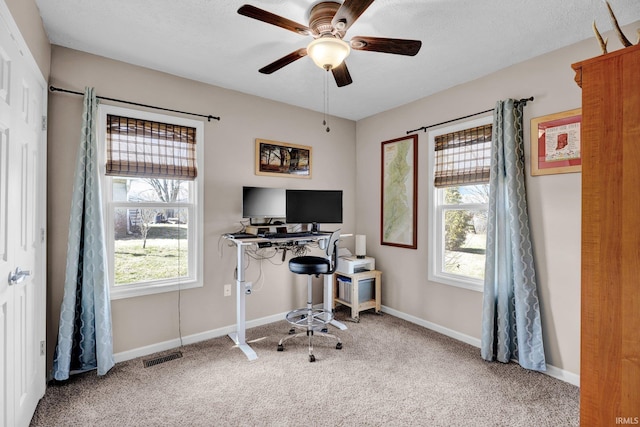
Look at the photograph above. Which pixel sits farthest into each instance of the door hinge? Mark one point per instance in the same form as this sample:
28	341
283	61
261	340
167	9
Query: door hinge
42	235
44	122
43	348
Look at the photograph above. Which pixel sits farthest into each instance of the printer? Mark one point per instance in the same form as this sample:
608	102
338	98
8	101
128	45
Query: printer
350	264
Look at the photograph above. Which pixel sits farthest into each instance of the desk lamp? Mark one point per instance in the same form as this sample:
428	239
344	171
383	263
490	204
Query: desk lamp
361	246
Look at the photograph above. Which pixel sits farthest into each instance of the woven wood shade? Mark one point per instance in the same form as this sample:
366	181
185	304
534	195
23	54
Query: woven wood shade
150	149
463	157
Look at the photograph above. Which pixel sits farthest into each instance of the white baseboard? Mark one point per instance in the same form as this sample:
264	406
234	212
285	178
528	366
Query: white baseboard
562	375
191	339
552	371
433	326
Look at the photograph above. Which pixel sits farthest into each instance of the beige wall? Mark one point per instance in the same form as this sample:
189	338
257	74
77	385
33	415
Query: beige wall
554	203
27	17
229	164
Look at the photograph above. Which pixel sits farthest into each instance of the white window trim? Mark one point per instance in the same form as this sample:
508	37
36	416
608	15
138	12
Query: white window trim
435	274
195	244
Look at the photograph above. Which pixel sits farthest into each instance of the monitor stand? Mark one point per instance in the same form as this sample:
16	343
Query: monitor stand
315	229
259	224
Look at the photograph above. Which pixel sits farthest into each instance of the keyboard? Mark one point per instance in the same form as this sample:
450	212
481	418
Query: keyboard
287	235
241	235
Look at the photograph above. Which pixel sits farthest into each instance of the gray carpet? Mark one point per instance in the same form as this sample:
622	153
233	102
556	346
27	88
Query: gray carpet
389	373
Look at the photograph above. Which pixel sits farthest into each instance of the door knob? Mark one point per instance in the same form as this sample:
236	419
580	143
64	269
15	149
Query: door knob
18	276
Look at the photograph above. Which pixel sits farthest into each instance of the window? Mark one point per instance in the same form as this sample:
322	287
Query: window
460	160
152	199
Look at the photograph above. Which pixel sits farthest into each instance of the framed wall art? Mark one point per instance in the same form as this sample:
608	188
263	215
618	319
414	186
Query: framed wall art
399	192
282	159
555	143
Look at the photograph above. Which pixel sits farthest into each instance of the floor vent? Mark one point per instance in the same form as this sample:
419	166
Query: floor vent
162	359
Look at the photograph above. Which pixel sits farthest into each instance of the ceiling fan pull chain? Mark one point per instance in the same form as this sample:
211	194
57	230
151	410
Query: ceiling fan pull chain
326	100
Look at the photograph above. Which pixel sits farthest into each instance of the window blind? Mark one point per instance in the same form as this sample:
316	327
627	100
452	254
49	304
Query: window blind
463	157
150	149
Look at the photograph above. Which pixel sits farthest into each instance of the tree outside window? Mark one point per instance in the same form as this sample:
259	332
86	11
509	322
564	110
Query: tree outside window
465	225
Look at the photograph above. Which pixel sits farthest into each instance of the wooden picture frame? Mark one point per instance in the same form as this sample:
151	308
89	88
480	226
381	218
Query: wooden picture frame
555	143
399	192
281	159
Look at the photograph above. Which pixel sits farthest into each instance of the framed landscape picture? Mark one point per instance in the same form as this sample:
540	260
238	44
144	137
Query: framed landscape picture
399	191
555	143
281	159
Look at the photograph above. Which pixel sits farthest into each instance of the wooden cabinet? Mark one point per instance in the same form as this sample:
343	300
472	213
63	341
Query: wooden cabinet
610	299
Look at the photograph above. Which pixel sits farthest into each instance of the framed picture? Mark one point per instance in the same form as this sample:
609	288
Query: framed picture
555	143
281	159
399	191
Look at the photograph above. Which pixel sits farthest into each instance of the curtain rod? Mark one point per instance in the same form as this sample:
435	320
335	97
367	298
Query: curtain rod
208	117
523	101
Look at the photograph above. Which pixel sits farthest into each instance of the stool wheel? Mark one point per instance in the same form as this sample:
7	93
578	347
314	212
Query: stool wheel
280	347
312	358
339	346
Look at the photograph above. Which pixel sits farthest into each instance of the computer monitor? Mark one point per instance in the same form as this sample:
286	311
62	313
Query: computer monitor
263	202
314	207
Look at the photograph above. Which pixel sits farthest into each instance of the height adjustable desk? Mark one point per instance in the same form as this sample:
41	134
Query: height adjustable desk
239	336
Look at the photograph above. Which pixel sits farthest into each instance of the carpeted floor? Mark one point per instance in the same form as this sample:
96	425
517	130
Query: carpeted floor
389	373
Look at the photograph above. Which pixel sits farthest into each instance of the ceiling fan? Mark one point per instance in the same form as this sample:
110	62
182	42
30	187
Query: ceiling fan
328	24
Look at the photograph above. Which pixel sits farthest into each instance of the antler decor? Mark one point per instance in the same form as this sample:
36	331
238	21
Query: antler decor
623	39
602	42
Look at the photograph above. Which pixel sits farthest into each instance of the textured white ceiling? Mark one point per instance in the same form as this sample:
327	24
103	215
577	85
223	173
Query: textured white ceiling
208	41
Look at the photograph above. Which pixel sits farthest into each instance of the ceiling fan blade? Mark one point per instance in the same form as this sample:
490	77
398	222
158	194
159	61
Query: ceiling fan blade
386	45
285	60
348	13
273	19
341	75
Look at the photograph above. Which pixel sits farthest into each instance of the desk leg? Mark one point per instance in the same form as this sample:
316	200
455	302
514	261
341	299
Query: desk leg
239	336
328	300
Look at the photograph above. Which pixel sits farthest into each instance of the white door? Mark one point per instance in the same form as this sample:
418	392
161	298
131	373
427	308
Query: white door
22	219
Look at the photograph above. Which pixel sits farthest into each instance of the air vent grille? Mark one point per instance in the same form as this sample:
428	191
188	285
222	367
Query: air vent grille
157	360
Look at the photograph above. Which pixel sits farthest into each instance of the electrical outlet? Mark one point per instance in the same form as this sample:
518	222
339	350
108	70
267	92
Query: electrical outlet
227	290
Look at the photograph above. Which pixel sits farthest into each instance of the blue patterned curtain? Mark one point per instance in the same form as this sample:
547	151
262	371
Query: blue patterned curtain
84	335
511	327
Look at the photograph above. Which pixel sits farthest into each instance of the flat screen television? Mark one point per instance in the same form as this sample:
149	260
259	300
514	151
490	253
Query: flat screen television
263	202
314	207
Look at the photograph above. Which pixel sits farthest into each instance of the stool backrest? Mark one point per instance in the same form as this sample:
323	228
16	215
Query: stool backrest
332	250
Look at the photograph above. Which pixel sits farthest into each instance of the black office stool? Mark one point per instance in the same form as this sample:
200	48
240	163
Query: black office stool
313	321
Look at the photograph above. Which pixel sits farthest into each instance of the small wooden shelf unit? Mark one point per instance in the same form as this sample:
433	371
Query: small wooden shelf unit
356	305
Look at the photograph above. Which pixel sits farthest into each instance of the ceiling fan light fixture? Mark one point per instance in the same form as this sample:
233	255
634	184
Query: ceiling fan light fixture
328	52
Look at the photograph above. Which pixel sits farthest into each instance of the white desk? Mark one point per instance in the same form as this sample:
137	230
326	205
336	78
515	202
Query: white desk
239	337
